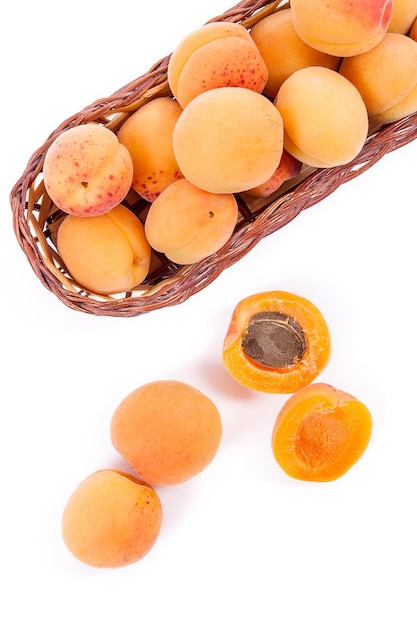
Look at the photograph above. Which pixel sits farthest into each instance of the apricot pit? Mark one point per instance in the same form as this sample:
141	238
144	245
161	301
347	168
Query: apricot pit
273	339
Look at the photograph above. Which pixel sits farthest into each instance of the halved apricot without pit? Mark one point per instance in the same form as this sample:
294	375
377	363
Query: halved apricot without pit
320	433
277	342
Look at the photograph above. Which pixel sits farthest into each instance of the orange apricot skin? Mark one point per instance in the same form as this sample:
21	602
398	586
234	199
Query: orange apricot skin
112	519
188	224
320	433
212	136
87	171
196	39
288	168
280	380
226	62
167	430
147	134
413	30
106	253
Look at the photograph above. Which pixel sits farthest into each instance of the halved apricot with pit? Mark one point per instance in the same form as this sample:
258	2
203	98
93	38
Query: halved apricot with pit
320	433
277	342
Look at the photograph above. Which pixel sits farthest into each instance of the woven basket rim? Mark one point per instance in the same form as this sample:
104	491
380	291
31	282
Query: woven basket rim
33	212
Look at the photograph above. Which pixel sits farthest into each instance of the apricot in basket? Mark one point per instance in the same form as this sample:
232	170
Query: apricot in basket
277	342
147	134
87	171
320	433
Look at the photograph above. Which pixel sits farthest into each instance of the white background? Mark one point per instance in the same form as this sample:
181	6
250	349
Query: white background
241	543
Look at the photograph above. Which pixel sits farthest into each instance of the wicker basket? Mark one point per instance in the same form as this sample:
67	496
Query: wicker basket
36	219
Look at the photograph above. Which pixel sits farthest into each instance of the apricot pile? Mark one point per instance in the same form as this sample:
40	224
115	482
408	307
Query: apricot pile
247	109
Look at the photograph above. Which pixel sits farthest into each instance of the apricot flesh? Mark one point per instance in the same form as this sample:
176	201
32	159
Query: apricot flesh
386	78
167	430
228	140
147	134
87	171
341	28
320	433
276	342
112	519
325	118
188	224
105	254
283	50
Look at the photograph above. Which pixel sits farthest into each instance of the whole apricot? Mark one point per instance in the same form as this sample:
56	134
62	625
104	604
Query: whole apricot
188	224
147	134
167	430
228	140
386	78
112	519
276	342
87	171
320	433
341	28
225	62
288	168
195	40
403	15
283	50
325	118
106	253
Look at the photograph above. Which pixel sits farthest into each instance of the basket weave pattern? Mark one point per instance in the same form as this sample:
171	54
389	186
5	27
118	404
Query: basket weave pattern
36	219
